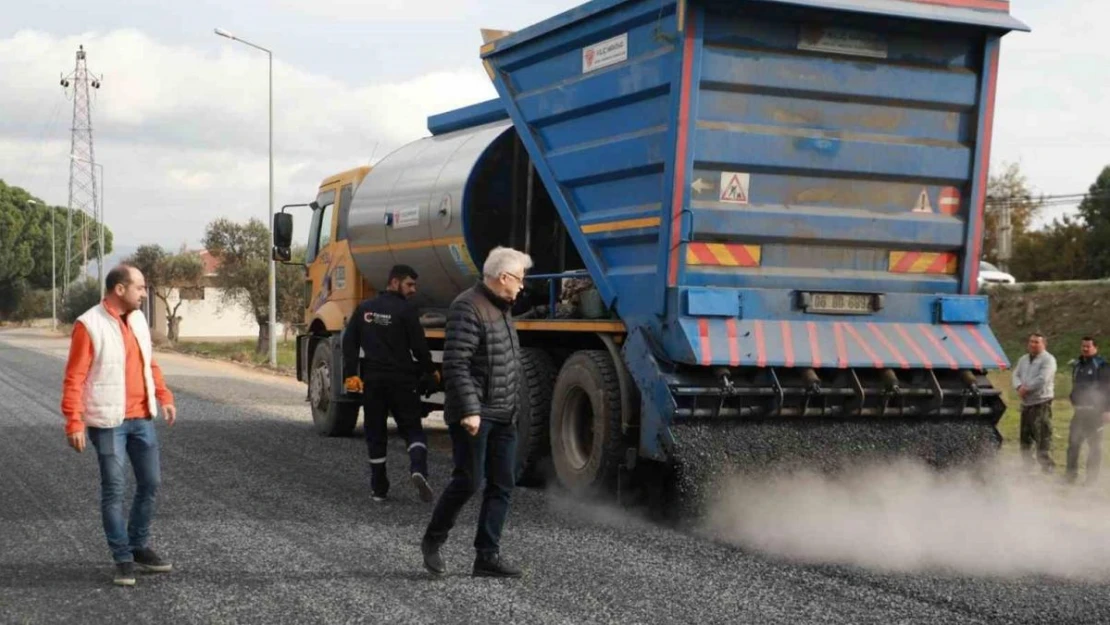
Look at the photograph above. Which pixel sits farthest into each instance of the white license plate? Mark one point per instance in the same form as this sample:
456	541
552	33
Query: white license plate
845	303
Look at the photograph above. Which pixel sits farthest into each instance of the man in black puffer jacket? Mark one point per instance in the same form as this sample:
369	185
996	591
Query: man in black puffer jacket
481	374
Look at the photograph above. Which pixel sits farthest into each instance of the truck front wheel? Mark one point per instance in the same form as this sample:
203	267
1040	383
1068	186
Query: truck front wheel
586	441
331	418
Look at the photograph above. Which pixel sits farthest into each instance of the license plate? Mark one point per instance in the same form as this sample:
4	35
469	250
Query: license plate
841	303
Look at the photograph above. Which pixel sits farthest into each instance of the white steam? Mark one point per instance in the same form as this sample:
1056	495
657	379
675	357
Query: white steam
906	518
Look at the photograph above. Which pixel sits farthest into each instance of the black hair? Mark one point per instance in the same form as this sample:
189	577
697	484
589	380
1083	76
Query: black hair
120	274
1088	338
400	272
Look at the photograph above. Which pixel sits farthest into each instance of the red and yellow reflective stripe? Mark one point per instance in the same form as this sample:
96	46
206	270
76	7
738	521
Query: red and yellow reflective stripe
723	254
942	263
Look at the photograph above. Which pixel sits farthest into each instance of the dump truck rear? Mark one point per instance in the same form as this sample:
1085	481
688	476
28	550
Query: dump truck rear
777	205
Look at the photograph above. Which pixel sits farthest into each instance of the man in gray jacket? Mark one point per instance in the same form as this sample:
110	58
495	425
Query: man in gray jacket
1035	382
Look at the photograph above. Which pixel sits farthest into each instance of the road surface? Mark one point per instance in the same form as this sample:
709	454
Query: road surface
268	523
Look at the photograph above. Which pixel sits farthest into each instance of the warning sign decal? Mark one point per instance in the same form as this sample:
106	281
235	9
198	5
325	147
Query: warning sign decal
734	187
923	205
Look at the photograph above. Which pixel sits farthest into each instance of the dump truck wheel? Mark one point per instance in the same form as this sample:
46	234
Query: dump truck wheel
532	427
331	418
586	445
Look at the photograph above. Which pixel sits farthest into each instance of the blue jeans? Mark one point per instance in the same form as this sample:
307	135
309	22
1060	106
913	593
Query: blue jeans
136	440
490	455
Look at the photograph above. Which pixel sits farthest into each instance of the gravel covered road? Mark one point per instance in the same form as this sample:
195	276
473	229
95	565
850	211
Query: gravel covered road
268	523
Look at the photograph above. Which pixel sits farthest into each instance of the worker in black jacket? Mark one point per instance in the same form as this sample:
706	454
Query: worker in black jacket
396	370
481	375
1089	396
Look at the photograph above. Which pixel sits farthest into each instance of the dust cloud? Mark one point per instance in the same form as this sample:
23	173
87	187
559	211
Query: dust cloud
906	518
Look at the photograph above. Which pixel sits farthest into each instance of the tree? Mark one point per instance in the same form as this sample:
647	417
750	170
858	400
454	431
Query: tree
1008	190
290	292
244	274
1058	252
83	295
165	272
25	242
1095	211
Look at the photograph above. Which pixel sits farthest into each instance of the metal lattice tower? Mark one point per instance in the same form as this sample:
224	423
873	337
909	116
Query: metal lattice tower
84	193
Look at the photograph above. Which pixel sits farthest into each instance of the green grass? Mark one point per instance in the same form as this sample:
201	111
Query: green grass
241	352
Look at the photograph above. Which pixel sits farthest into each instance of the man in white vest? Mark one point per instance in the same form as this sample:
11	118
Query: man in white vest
110	397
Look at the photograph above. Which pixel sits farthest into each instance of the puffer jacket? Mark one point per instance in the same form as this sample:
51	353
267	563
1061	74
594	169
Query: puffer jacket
481	358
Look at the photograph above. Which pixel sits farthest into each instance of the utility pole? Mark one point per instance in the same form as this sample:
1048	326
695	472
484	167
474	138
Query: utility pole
84	193
1005	235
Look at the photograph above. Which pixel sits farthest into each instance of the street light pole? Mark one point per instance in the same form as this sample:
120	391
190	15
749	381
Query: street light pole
270	225
99	225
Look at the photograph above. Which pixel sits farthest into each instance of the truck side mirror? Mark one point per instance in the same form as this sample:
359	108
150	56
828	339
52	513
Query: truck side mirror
283	237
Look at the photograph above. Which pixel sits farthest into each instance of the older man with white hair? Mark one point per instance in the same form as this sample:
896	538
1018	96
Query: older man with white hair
481	374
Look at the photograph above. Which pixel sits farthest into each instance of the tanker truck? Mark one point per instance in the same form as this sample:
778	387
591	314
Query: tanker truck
772	211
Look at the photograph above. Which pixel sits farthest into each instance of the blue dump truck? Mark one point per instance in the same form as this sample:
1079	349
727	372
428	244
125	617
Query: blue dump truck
771	210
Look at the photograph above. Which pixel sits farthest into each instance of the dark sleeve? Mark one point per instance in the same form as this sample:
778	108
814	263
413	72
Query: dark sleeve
352	340
418	343
463	334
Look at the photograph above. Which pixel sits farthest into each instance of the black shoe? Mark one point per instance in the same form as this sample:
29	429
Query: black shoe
432	560
148	561
378	497
493	566
422	487
125	574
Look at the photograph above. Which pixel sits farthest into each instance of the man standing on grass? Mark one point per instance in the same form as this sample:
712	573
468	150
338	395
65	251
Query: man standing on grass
110	397
1090	377
1035	382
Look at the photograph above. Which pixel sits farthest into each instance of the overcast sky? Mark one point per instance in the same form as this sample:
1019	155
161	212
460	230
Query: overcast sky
180	120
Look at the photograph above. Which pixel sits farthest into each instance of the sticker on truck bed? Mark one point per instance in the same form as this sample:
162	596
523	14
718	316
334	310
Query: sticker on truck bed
734	187
842	41
604	54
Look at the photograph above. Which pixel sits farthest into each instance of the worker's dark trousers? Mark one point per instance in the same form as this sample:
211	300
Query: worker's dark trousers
1086	427
491	455
380	398
1036	428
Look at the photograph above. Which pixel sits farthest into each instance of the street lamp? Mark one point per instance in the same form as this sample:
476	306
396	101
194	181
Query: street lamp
53	271
273	267
99	224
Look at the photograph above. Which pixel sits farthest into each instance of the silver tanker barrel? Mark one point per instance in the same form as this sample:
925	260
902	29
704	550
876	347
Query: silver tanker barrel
438	204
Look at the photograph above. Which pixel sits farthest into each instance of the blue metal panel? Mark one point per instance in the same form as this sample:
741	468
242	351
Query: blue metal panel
467	117
850	152
917	9
963	310
904	231
843	77
712	303
830	154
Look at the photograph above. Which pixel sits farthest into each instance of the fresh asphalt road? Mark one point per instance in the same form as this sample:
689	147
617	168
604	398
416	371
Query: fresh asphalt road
268	523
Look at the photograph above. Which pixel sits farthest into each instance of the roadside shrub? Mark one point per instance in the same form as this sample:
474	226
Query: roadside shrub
82	296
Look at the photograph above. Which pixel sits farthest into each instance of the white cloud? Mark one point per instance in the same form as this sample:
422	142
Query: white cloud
182	133
385	10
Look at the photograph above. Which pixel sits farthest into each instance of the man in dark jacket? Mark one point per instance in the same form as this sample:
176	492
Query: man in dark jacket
1090	378
481	374
388	331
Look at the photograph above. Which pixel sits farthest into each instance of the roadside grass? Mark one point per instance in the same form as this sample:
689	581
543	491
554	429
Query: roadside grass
242	352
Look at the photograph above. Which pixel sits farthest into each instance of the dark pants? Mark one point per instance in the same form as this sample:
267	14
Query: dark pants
1036	427
380	398
135	441
490	455
1086	426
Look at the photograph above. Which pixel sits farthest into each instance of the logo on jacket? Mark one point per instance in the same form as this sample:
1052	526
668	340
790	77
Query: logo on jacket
377	319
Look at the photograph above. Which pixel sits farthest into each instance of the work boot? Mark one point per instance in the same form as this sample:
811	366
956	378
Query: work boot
432	560
379	483
422	487
148	561
492	566
125	574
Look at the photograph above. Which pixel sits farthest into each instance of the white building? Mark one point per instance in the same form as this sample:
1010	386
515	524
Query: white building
204	314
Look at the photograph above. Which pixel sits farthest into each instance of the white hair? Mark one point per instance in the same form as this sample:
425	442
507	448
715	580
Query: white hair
506	260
